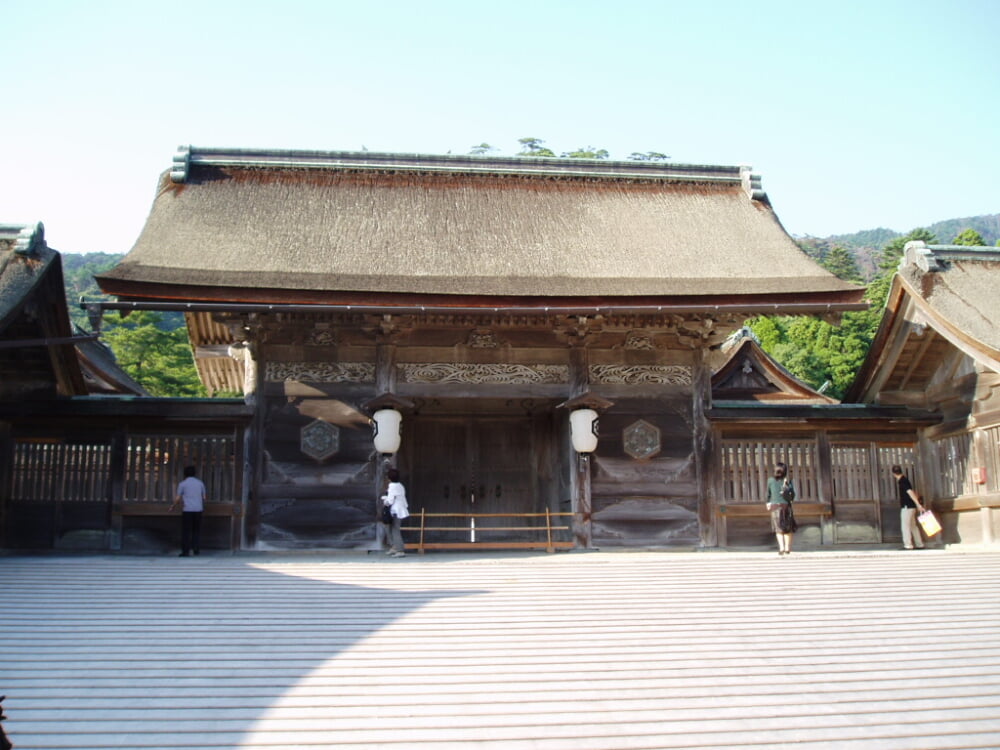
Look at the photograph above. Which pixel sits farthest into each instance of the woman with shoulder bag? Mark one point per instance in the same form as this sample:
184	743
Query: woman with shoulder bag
780	494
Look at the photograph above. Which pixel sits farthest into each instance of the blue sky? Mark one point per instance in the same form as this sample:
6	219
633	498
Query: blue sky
855	114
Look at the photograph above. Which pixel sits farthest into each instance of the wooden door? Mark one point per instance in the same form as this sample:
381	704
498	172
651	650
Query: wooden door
472	465
866	505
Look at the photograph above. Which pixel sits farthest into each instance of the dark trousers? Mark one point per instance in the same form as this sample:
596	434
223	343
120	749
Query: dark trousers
191	532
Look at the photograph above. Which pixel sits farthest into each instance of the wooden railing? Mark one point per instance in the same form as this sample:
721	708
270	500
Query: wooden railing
471	526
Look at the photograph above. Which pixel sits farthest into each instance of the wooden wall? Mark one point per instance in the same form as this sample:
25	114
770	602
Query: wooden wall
647	502
962	454
107	483
473	376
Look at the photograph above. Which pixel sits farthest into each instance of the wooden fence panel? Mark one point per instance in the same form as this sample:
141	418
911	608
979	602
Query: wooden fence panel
747	464
156	463
60	472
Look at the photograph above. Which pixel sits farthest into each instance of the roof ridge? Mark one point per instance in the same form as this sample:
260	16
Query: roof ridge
26	237
188	155
929	257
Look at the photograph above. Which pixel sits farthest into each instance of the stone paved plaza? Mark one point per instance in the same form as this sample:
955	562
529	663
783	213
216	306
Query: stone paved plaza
585	650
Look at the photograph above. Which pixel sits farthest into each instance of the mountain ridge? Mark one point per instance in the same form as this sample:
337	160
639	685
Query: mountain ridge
866	245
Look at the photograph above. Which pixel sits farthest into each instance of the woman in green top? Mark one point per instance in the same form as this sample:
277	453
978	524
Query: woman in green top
775	500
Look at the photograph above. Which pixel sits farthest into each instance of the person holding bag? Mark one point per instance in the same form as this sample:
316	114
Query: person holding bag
909	504
780	494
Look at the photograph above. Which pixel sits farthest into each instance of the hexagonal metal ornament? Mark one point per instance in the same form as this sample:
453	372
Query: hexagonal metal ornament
641	439
319	439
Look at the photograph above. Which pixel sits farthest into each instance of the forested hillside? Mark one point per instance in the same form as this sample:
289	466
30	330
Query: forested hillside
79	270
867	244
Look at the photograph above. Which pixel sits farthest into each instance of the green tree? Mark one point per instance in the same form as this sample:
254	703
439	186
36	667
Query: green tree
841	263
482	149
153	354
816	351
587	153
533	147
647	156
79	270
969	237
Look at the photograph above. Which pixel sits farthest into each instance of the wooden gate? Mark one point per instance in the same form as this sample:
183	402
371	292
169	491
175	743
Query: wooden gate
866	507
468	465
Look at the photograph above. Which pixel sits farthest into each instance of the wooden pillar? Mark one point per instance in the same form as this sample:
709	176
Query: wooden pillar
116	499
253	437
580	478
237	528
824	482
385	382
701	395
583	525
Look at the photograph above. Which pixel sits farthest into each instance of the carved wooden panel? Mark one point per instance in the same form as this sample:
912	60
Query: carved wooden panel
492	374
641	439
640	374
320	372
319	439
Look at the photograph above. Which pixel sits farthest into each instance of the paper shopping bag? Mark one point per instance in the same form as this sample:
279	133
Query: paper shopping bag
929	523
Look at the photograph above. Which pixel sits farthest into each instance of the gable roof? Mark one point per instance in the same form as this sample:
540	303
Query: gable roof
943	297
297	227
750	374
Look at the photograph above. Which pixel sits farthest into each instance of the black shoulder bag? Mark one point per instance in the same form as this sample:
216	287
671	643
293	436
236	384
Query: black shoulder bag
786	519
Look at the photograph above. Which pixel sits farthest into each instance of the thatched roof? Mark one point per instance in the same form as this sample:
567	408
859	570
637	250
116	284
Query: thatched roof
25	262
960	284
942	298
307	227
37	358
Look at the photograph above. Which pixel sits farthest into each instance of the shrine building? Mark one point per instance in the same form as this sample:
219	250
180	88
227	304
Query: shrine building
478	301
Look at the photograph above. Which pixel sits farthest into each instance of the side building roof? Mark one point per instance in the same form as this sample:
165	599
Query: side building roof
297	227
37	355
41	353
942	298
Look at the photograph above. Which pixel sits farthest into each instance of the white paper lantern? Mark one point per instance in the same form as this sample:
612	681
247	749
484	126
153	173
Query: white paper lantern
386	425
583	429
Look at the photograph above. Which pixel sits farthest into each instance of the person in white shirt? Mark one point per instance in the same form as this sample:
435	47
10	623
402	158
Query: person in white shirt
395	499
191	494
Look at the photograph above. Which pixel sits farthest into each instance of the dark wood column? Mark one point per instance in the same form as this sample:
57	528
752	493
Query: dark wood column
579	376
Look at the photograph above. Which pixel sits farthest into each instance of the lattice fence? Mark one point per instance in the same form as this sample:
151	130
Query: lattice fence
747	464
